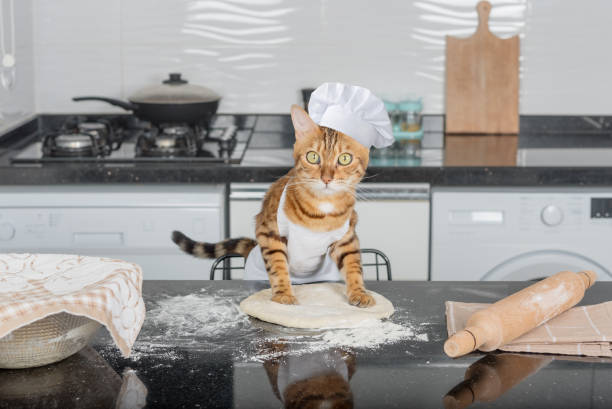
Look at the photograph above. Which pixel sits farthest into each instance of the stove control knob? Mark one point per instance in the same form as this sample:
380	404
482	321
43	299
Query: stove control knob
7	231
551	215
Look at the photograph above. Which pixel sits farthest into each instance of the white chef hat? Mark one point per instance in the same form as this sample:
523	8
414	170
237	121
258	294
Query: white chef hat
352	110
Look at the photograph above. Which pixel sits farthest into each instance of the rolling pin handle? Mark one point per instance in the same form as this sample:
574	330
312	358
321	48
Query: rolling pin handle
464	342
589	276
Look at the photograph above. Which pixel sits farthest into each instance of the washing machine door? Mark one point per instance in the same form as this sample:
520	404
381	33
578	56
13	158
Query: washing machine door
543	263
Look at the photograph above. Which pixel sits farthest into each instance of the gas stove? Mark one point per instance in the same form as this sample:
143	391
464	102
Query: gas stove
126	139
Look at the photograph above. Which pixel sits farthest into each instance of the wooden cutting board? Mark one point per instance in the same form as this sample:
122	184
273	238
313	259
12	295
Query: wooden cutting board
482	80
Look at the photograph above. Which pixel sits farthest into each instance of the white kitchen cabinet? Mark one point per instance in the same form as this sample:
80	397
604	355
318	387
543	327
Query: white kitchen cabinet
393	218
245	203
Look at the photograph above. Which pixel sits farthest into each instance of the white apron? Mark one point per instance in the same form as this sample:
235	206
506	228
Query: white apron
309	259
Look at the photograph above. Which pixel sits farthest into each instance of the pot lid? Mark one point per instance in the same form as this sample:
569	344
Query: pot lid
174	90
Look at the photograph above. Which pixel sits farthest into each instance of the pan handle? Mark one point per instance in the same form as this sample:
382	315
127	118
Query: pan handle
125	105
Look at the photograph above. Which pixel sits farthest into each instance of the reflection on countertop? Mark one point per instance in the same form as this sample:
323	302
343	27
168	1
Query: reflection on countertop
250	365
490	377
83	380
480	150
318	379
543	141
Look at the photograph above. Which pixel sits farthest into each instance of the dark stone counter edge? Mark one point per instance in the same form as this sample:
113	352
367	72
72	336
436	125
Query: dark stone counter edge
435	176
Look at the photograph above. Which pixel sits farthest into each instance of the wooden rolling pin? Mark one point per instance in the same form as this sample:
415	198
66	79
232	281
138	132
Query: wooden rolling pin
490	377
513	316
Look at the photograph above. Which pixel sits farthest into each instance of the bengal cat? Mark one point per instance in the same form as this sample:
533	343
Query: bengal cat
320	195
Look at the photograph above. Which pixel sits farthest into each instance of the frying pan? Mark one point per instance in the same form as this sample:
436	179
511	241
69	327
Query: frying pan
174	101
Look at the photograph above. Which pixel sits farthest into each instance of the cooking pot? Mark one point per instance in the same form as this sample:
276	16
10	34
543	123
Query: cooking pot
173	101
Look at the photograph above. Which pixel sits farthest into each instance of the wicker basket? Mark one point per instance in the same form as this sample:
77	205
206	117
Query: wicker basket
47	340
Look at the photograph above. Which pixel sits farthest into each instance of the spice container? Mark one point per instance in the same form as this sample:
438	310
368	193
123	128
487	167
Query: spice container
406	124
411	115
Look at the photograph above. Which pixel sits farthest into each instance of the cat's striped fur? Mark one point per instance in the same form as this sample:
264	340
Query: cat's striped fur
241	245
319	196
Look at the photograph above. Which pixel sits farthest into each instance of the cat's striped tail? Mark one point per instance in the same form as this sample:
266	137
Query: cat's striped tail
241	245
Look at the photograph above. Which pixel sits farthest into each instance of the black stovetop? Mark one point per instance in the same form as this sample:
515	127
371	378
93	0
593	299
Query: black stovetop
135	141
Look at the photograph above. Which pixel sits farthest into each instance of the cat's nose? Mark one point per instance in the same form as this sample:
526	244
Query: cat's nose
326	179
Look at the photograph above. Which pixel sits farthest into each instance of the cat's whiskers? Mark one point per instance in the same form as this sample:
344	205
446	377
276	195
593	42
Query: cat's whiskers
370	176
309	183
361	193
325	193
347	185
362	198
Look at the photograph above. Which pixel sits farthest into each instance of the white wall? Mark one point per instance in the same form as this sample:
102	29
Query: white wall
16	83
258	53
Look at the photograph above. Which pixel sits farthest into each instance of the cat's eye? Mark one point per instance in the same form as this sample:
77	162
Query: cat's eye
345	158
312	157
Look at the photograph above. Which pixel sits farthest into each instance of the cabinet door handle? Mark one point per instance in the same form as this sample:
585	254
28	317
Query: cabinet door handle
251	195
390	194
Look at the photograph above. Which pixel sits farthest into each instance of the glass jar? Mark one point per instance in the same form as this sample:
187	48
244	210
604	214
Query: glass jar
409	144
411	115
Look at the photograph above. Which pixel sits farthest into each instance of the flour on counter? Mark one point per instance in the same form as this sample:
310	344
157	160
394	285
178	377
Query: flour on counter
142	350
383	332
196	315
214	322
373	336
145	349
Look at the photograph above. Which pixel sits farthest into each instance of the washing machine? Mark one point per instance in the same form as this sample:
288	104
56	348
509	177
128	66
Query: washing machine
502	234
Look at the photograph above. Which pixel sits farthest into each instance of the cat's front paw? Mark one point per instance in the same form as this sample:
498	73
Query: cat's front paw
361	299
283	298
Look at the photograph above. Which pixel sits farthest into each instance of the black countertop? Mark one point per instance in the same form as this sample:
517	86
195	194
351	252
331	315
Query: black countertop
269	156
224	360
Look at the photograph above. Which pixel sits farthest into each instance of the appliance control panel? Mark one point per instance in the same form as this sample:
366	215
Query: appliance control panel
601	208
543	212
104	228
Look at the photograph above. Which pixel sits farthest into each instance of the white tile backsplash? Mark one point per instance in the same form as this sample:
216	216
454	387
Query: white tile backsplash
94	23
568	63
63	71
258	53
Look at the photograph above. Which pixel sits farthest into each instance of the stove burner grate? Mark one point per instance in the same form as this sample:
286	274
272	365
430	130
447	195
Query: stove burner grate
167	141
74	145
126	139
81	139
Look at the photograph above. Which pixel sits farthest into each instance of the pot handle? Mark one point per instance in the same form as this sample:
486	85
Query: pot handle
125	105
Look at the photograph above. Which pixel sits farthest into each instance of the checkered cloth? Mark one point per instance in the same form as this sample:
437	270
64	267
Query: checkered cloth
33	286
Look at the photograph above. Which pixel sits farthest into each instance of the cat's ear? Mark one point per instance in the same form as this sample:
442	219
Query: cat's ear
302	123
